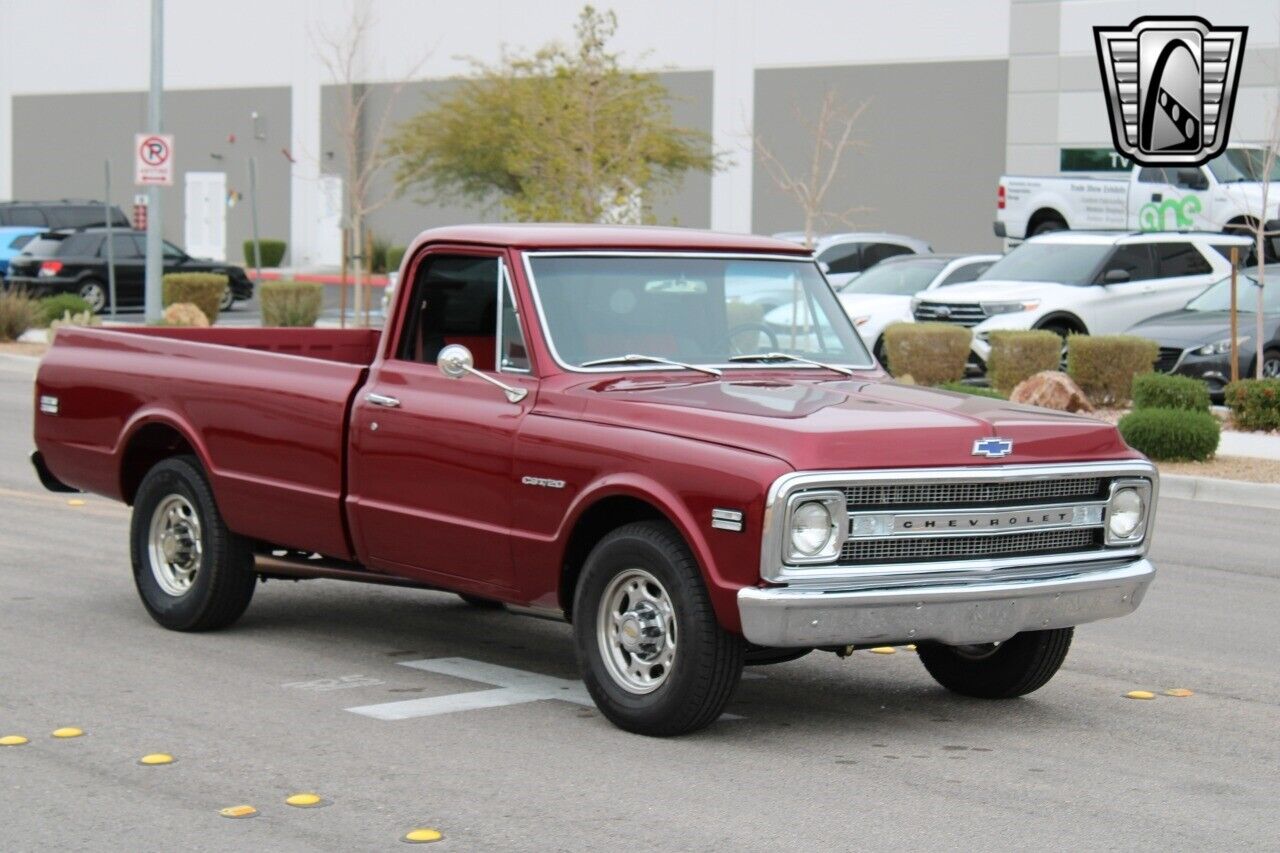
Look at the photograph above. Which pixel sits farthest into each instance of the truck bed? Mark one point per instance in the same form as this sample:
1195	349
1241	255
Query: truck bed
265	410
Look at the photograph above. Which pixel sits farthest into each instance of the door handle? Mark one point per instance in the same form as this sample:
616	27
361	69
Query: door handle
383	400
1157	196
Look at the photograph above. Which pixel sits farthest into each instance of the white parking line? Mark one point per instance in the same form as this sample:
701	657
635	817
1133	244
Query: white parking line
510	687
514	687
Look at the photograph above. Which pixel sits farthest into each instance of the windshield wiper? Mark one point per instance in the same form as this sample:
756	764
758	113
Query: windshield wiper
633	358
782	356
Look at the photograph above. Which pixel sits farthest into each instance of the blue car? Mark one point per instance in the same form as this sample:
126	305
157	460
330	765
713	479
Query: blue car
12	239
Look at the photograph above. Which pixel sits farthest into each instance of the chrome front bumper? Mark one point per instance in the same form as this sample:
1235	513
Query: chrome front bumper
956	614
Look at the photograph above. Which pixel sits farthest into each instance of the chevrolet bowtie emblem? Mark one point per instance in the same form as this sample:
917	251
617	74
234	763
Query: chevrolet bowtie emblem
992	448
1170	84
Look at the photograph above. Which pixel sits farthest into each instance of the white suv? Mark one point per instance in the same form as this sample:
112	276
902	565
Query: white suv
1088	283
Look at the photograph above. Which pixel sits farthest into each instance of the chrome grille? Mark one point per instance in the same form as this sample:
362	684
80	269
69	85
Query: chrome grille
1168	359
1008	493
917	549
965	314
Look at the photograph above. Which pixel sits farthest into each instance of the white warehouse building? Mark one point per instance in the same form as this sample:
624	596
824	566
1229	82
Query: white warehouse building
957	93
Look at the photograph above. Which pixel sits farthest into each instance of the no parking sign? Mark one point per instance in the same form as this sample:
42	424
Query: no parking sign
153	159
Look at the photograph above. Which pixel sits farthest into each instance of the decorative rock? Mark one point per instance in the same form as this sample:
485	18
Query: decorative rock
1051	390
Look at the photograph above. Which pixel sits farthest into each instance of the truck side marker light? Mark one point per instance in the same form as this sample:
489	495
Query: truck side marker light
306	801
1180	692
68	732
155	759
910	648
1139	694
237	812
75	502
12	740
422	835
884	650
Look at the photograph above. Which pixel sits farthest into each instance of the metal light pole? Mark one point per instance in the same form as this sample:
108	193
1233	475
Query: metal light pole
111	239
253	210
155	259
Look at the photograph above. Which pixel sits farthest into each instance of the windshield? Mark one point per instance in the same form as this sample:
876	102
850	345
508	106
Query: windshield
1064	263
1242	164
697	310
900	279
1218	297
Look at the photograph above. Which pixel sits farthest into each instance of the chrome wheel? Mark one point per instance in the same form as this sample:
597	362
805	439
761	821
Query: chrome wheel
174	544
976	651
228	299
1271	365
636	629
94	293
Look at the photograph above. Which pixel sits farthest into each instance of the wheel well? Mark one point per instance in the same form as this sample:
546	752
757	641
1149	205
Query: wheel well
1041	216
151	444
1069	320
600	518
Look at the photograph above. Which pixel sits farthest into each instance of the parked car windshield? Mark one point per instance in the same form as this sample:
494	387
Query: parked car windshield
697	310
902	278
1218	297
1064	263
1236	165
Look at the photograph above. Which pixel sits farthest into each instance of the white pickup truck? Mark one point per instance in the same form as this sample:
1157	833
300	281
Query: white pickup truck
1224	194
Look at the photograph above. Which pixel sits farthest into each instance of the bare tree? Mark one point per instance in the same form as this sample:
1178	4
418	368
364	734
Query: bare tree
833	136
363	132
1258	227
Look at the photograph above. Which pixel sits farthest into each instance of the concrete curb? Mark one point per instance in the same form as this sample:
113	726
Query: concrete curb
1220	491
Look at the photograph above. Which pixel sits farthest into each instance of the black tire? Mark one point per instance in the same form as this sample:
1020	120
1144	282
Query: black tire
224	577
1064	331
1048	226
480	603
1016	667
228	300
762	656
1270	364
701	678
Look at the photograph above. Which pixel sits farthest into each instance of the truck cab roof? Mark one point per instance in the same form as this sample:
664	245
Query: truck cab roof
535	236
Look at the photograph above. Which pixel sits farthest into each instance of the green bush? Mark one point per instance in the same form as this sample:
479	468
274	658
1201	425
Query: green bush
202	289
291	303
55	307
1165	391
1171	435
1255	403
975	390
395	254
930	353
1104	365
18	312
1018	355
272	252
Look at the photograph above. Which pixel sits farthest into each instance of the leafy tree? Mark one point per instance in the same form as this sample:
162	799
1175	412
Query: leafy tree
564	134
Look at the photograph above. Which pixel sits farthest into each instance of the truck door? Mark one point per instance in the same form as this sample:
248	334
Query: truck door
430	477
1171	199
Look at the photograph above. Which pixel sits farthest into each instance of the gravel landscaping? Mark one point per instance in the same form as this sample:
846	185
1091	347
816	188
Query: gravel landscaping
1242	468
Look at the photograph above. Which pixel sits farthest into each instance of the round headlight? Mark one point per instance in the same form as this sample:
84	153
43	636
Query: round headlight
1125	513
811	528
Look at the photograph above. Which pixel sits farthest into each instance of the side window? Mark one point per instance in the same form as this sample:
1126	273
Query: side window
1175	259
1133	258
124	246
843	258
454	301
874	253
513	354
966	272
1244	254
80	246
26	216
1151	175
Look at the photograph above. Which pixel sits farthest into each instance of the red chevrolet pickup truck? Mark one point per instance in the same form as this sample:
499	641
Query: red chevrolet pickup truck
598	423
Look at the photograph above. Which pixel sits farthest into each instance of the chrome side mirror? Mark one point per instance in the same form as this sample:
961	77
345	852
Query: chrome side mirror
455	361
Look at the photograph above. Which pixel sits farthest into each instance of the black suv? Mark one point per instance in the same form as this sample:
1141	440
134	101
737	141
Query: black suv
64	213
76	262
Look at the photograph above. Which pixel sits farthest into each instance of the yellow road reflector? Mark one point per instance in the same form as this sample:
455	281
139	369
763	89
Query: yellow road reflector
68	731
1139	694
12	740
1180	692
884	650
423	835
910	648
238	811
156	758
304	801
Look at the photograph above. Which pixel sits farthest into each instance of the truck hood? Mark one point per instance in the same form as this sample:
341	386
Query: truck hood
994	291
815	424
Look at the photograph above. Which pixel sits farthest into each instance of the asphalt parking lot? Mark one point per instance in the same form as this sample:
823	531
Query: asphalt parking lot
865	753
